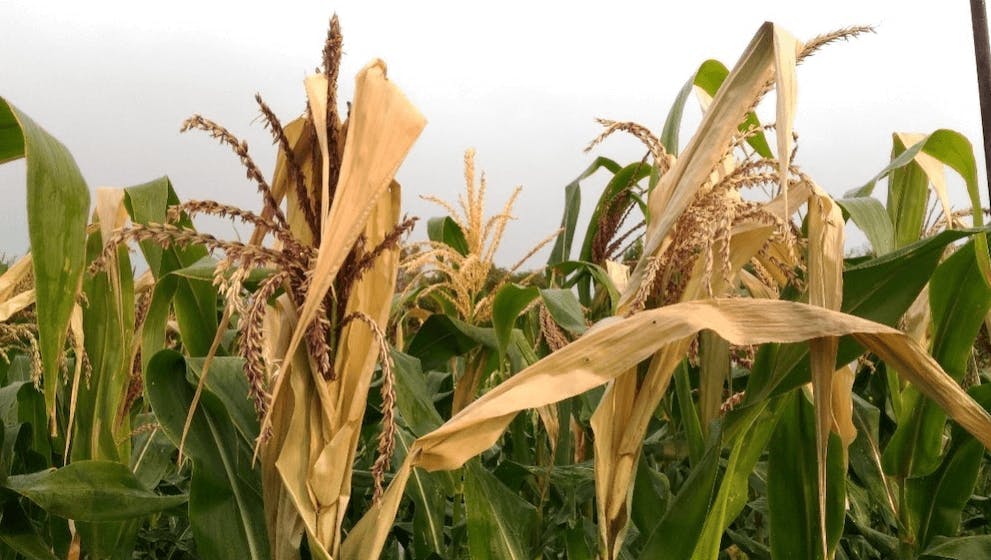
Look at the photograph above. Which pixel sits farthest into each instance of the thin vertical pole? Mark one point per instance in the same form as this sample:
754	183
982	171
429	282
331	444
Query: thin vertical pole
982	56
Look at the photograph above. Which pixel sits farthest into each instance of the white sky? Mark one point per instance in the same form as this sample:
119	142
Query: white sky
519	81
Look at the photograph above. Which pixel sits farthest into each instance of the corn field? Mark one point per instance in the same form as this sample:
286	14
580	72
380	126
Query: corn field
699	371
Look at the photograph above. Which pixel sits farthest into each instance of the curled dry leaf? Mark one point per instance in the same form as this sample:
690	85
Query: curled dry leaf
695	187
607	353
13	277
314	422
382	129
825	290
15	304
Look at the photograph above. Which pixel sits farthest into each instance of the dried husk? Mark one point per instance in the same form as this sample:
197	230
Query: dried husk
313	423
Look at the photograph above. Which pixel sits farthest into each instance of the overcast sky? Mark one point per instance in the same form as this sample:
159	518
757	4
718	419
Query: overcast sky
519	81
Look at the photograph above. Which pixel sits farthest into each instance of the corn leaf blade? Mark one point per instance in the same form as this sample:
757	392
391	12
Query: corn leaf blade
793	488
686	515
507	305
935	503
94	491
870	216
195	301
225	501
498	520
960	300
58	207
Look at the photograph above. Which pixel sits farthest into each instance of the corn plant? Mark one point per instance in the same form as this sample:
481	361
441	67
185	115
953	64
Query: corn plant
702	244
282	397
317	313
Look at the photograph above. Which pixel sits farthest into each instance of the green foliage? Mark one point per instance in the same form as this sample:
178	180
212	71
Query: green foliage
792	491
58	207
94	491
225	497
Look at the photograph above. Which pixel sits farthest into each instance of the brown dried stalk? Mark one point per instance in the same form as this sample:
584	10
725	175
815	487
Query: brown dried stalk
555	337
135	384
296	176
240	148
252	337
655	147
613	250
819	41
813	46
167	235
390	241
332	50
14	337
212	208
387	438
316	342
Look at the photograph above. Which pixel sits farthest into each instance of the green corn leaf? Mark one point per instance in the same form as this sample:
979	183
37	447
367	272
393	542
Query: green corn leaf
102	428
156	319
151	453
507	305
428	492
747	446
225	497
676	534
499	521
709	77
565	309
959	299
935	503
864	457
596	272
195	301
445	230
651	494
227	382
108	328
954	150
58	208
18	533
23	409
416	407
792	489
579	541
689	413
94	491
561	251
11	138
959	548
441	338
880	289
908	197
624	179
204	269
869	215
